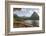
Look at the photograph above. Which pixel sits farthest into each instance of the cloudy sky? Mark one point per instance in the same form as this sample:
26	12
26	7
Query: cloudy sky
27	12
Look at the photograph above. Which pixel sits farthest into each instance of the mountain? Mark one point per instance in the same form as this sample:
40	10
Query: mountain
16	17
33	17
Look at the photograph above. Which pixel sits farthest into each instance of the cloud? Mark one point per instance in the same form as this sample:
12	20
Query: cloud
27	12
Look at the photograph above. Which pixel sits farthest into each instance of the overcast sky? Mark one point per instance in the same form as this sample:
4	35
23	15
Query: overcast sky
27	12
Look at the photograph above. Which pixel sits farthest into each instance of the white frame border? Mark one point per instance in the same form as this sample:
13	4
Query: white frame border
24	29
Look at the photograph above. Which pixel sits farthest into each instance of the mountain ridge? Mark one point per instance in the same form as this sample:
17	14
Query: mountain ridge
34	16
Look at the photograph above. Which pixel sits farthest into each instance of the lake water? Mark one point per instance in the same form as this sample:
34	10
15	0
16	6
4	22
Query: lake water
30	22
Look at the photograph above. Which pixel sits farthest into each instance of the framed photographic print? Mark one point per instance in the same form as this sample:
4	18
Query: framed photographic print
25	17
